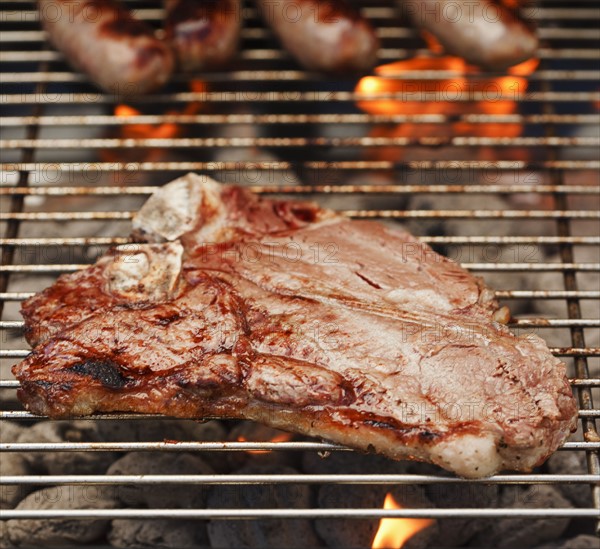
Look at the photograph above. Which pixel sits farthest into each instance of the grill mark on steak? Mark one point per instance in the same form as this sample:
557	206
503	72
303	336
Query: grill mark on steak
306	345
367	280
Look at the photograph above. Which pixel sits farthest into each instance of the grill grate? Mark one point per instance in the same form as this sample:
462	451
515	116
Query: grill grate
57	129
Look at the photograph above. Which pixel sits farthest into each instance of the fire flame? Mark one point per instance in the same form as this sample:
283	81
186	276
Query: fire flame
394	532
139	131
280	437
441	93
458	98
159	131
164	130
451	94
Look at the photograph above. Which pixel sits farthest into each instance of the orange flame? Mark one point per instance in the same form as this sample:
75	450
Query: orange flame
525	68
280	437
452	93
138	131
394	532
450	98
164	130
433	44
438	92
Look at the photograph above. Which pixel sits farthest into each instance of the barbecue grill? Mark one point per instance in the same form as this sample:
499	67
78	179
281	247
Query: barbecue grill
73	166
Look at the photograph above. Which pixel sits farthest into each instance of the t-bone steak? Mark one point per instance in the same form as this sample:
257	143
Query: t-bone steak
231	305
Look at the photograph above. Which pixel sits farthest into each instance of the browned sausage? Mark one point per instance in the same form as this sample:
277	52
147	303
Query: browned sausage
204	33
482	32
326	36
101	38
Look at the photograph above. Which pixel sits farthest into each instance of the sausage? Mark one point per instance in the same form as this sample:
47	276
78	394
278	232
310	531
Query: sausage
482	32
325	36
203	33
101	38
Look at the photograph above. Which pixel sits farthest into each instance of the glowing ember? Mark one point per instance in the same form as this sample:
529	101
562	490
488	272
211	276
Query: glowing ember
394	532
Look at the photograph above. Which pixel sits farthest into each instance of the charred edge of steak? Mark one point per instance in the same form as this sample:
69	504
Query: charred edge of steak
106	372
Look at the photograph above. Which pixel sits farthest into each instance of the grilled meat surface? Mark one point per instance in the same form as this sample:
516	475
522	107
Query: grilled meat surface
235	306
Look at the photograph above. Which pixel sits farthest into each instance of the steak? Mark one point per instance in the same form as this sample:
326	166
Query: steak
235	306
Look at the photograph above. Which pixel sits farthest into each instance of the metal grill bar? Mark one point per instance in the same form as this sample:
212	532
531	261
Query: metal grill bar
503	294
575	382
480	267
484	240
17	202
287	479
384	55
241	514
299	76
290	189
586	382
92	241
384	13
94	98
232	119
520	323
18	414
249	446
363	214
283	142
557	351
584	394
382	33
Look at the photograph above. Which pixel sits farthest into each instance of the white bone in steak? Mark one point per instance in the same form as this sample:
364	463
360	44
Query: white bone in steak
236	306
